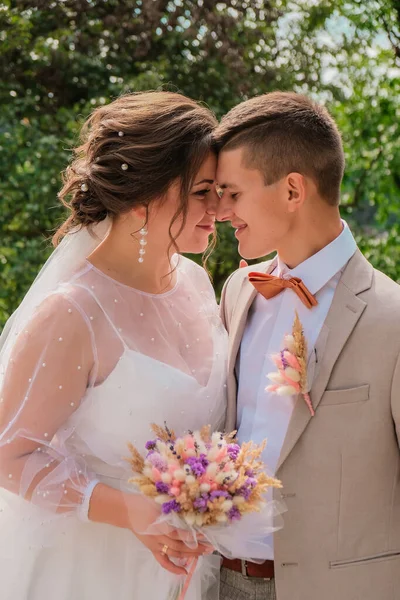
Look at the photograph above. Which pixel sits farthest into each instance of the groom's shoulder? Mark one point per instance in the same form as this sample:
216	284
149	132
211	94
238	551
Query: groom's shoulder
234	285
385	283
386	290
382	314
234	282
380	292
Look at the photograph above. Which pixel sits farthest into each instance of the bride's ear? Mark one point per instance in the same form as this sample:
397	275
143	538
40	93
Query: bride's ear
139	213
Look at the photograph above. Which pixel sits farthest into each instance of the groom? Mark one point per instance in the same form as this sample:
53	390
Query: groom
280	169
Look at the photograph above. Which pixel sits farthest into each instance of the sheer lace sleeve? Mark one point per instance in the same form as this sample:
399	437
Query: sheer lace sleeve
46	376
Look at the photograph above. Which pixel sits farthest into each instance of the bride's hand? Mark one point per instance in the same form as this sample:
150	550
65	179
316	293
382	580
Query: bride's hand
174	549
137	513
165	543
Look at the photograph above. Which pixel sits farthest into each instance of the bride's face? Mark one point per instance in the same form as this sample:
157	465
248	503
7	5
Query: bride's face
202	207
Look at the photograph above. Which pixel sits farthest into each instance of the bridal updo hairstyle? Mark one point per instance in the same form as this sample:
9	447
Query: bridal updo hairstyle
132	150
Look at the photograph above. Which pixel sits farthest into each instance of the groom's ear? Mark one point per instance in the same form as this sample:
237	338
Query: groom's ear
296	191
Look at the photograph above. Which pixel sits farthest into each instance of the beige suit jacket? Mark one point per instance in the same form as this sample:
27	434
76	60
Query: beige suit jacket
341	468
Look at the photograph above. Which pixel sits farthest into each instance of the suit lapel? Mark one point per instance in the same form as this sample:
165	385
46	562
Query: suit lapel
237	325
344	313
239	317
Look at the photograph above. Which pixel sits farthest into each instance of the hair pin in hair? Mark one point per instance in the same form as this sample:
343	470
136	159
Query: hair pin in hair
124	167
84	187
121	133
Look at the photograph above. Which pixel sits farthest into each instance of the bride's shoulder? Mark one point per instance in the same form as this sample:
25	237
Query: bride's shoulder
196	273
55	324
70	302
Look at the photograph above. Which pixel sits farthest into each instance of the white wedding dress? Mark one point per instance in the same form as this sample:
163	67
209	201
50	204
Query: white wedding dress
156	358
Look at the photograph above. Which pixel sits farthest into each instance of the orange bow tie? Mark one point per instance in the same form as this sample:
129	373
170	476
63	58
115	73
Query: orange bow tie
270	286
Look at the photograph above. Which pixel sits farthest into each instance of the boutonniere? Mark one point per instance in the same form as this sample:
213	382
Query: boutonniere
291	377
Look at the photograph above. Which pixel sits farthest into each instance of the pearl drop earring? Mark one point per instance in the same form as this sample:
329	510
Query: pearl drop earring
143	243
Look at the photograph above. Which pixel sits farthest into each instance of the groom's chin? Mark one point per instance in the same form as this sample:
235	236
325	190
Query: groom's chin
250	253
251	249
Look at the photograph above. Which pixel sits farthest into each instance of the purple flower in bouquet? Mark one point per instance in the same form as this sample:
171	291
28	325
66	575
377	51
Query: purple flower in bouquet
219	494
198	464
247	488
234	514
157	461
251	482
233	451
162	488
204	460
200	503
244	491
151	445
171	506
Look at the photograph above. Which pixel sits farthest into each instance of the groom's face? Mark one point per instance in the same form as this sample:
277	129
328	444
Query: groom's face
258	212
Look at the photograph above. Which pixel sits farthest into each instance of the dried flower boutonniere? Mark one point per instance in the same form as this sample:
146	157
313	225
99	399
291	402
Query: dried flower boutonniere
291	377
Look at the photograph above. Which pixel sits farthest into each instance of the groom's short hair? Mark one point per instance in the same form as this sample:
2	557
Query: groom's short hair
285	132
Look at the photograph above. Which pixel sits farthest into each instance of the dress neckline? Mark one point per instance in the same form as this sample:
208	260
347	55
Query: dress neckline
132	289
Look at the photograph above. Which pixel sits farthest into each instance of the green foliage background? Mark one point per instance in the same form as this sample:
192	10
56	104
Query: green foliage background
60	59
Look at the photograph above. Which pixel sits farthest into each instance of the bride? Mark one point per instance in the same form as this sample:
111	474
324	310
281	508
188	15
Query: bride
118	331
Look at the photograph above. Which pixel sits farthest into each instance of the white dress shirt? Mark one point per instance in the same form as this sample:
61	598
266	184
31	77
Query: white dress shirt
263	414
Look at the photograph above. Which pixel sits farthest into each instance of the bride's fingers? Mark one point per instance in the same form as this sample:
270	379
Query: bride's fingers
182	554
187	537
202	539
177	546
164	561
180	535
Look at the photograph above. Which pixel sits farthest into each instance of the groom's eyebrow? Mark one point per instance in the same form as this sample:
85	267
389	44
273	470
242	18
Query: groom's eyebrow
210	181
224	186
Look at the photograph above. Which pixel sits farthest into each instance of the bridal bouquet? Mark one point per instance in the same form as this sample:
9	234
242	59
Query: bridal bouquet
206	483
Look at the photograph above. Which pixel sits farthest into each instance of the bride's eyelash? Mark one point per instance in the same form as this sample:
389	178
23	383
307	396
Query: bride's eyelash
202	192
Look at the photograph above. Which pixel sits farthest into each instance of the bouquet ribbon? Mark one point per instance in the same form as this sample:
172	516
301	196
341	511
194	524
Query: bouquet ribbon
193	565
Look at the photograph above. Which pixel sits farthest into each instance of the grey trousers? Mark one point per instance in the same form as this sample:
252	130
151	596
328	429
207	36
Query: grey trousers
233	586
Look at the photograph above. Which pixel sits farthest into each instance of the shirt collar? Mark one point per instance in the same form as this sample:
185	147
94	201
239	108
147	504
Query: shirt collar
317	270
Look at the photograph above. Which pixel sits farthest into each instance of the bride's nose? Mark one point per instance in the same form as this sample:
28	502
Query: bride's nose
212	202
